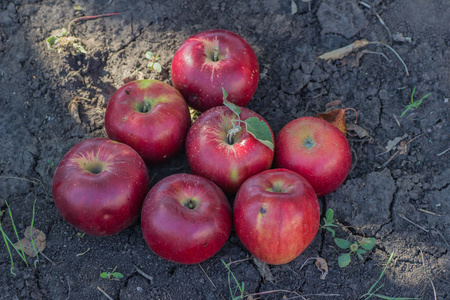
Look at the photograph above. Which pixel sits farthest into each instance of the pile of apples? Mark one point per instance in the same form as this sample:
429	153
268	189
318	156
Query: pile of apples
101	186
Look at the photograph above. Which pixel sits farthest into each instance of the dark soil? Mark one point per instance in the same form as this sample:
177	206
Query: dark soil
400	196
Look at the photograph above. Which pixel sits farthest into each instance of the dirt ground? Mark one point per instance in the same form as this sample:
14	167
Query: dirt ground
397	191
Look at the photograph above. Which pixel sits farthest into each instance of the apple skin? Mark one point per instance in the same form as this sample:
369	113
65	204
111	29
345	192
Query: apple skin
200	79
315	149
181	234
276	215
211	156
157	134
99	186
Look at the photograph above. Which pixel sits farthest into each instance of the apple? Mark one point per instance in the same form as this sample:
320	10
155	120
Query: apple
226	160
315	149
186	219
211	60
99	186
276	215
151	117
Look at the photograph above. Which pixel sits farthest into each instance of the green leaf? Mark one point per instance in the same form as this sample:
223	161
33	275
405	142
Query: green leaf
368	243
150	65
63	32
341	243
157	67
233	107
344	260
225	94
329	214
51	41
117	275
79	48
359	252
148	55
260	131
104	275
333	233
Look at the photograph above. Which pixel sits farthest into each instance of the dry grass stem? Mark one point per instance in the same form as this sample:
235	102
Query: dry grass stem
426	273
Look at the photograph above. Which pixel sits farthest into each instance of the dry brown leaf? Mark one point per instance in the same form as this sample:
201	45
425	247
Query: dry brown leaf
335	117
360	132
334	103
263	269
322	265
39	238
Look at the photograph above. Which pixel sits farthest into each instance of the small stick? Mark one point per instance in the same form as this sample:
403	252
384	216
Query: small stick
429	212
88	18
379	19
443	152
395	52
405	218
442	236
104	293
210	279
425	270
145	275
68	283
238	261
35	181
46	257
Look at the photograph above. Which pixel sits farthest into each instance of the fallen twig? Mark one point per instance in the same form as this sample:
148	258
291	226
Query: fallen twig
418	226
346	50
426	273
71	23
104	293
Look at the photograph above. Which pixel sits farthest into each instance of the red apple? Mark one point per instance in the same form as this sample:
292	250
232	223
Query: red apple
226	162
211	60
315	149
276	215
186	219
99	186
151	117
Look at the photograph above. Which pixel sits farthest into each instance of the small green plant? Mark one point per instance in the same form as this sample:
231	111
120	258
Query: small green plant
8	241
52	164
257	128
112	275
358	248
153	64
413	104
239	287
61	40
329	222
373	289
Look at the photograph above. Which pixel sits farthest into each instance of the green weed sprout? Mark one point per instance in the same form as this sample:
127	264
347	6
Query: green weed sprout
8	241
372	289
239	288
112	275
62	41
413	104
358	248
153	64
329	222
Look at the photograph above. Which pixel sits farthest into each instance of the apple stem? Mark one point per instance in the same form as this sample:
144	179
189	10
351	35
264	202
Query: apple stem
233	131
216	54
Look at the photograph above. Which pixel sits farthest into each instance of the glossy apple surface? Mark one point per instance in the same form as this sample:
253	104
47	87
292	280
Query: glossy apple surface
186	219
99	186
276	215
151	117
211	155
316	150
200	76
